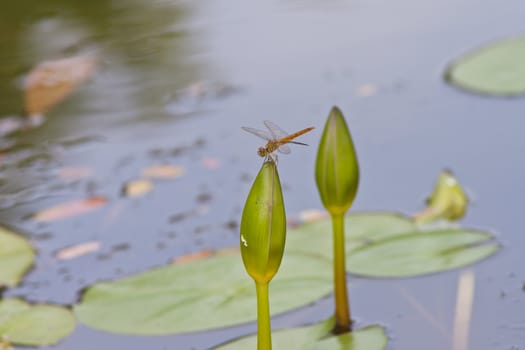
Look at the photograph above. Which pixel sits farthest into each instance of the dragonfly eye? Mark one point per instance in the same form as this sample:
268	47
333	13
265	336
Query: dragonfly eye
261	152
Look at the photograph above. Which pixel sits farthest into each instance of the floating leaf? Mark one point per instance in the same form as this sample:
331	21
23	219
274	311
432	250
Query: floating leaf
367	90
199	295
138	188
317	337
313	215
77	250
75	173
203	254
421	253
497	69
69	209
34	325
361	229
5	344
211	163
51	82
386	245
16	257
215	292
163	171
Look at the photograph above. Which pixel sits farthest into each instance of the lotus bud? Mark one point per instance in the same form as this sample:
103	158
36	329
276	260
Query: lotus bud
263	225
448	200
336	168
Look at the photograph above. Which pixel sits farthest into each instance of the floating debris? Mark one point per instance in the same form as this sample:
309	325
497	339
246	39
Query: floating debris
78	250
164	171
137	188
50	82
70	209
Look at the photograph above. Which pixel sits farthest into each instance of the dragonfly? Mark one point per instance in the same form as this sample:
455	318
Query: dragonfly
277	139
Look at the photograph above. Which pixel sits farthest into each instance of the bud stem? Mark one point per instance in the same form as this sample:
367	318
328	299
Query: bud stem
264	335
343	322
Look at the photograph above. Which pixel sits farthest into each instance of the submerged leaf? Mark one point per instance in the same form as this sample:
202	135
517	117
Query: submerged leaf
137	188
16	257
69	209
497	69
75	173
317	337
211	163
51	82
34	325
5	344
77	250
163	171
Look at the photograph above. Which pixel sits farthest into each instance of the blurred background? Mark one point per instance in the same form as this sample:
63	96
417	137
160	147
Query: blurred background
94	92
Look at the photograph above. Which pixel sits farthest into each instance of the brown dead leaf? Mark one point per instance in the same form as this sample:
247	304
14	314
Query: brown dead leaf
367	90
164	171
4	343
50	82
228	251
312	215
203	254
211	163
77	250
75	173
137	188
69	209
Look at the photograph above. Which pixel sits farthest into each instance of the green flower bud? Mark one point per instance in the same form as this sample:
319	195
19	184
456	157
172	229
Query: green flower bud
336	168
263	225
448	200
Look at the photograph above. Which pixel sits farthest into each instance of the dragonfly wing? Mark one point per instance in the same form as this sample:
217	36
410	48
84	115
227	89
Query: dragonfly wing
262	134
284	149
276	131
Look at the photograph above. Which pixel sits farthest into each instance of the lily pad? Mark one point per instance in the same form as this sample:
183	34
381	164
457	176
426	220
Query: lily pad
387	245
196	295
315	338
34	325
497	69
360	229
199	295
16	257
421	253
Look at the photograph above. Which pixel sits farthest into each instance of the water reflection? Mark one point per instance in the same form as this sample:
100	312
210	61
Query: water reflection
147	54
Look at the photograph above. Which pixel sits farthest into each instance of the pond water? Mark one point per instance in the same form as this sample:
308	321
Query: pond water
176	81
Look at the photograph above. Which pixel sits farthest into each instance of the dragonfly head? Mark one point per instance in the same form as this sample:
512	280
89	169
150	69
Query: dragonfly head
262	152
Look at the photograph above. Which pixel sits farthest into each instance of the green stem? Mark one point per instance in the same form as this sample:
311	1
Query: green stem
343	322
264	330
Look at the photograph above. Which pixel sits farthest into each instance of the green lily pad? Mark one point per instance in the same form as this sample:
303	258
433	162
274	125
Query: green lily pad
315	338
497	69
315	238
217	292
199	295
34	325
421	253
386	245
16	257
